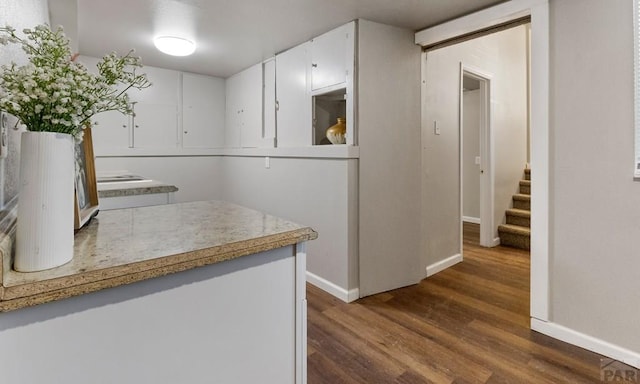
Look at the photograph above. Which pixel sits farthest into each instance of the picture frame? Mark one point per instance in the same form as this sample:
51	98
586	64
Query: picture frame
86	187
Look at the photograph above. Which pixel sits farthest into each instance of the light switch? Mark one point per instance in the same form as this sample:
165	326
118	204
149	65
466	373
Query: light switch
477	160
267	162
436	127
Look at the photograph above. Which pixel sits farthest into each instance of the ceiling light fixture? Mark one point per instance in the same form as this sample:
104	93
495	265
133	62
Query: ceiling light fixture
175	46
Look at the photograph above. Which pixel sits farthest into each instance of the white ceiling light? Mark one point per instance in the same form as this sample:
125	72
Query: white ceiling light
175	46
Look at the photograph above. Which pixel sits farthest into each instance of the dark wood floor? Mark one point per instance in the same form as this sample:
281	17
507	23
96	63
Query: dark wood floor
467	324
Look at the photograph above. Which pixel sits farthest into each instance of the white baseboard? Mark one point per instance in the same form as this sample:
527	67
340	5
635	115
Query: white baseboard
443	264
587	342
469	219
496	242
334	290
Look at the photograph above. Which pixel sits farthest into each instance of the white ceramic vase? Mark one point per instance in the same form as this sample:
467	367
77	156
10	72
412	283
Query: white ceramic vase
44	237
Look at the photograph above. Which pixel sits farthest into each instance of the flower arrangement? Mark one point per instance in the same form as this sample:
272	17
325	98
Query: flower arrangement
53	92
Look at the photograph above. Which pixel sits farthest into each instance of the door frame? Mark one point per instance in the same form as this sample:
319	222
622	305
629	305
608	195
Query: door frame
538	11
487	179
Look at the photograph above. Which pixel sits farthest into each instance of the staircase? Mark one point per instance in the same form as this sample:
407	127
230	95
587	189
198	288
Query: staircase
517	231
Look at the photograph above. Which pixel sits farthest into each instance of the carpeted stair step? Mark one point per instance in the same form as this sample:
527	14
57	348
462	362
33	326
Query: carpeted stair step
519	217
527	173
525	187
515	236
521	201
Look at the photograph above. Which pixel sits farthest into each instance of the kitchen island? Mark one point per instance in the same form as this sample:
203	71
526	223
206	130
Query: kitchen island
218	297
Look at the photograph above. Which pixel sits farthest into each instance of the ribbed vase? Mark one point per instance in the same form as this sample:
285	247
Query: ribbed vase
44	237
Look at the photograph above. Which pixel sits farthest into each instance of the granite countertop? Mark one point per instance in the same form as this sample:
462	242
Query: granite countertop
133	188
128	245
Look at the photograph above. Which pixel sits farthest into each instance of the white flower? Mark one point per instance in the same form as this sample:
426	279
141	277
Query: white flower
52	83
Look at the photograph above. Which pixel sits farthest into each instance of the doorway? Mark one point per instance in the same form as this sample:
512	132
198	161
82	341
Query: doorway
476	171
537	12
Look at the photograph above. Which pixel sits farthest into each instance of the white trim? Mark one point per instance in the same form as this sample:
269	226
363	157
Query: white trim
487	178
472	220
315	151
495	242
539	12
636	73
333	289
443	264
301	313
540	161
587	342
499	14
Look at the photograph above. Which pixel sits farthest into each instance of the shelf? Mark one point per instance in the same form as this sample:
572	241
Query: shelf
342	151
332	89
326	108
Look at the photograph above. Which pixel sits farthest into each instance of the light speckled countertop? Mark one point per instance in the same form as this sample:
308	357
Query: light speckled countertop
127	245
133	188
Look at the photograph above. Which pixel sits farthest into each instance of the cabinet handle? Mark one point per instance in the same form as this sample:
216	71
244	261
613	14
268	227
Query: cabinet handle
185	132
137	126
314	65
124	125
277	105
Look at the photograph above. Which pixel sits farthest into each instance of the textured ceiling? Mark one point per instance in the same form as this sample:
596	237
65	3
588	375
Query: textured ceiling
235	34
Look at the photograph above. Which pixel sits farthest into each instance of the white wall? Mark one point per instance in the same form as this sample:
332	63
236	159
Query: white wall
197	177
320	193
471	149
19	14
595	211
503	56
388	118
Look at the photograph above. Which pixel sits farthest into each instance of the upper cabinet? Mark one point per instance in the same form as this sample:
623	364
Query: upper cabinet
269	104
293	114
244	108
332	57
111	130
179	110
155	120
203	111
295	97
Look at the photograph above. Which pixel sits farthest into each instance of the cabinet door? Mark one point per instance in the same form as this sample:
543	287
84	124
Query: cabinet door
269	102
203	110
251	101
110	130
293	115
329	58
155	125
232	112
155	122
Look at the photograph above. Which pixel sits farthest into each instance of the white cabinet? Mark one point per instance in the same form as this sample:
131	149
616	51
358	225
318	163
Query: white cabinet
155	121
155	125
111	130
293	114
203	111
232	112
244	108
269	102
178	110
331	54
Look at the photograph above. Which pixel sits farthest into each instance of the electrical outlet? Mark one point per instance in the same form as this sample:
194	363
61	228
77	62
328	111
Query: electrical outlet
267	162
436	128
3	134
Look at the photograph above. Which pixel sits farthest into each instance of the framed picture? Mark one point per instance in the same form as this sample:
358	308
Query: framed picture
86	206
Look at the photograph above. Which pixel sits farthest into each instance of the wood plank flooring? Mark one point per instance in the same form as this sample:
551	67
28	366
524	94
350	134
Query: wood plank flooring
468	324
